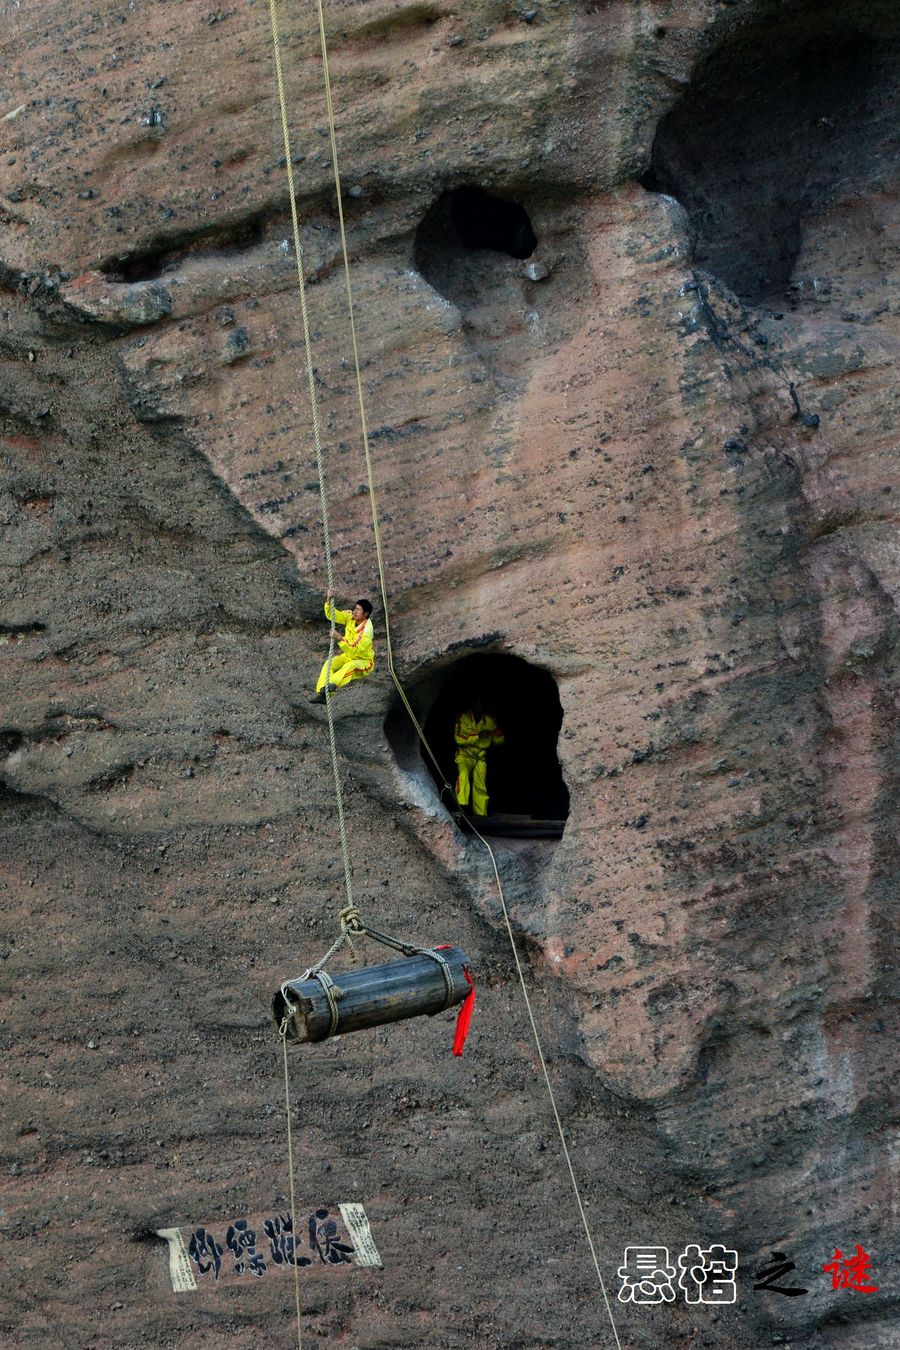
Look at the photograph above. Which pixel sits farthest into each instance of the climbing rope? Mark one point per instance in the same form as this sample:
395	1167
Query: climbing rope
376	528
323	500
360	398
382	575
576	1189
295	1239
317	441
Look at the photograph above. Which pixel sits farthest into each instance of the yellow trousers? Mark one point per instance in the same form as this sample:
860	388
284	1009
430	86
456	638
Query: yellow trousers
471	778
343	670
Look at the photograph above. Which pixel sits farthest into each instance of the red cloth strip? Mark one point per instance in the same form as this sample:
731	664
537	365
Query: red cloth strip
464	1020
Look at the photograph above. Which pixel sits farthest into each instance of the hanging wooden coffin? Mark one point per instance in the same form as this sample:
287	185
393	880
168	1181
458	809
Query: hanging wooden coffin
413	986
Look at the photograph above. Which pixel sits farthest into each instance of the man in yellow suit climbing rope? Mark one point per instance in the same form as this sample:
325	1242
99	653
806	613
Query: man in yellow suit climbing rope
356	657
475	732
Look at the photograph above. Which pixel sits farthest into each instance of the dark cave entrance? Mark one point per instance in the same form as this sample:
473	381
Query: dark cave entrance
527	794
470	247
465	221
795	110
483	221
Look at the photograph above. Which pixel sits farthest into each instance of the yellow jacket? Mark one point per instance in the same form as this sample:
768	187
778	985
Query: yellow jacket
358	639
472	734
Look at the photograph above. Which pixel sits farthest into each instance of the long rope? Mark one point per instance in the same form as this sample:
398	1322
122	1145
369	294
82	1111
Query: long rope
384	596
317	441
376	526
295	1240
323	500
550	1093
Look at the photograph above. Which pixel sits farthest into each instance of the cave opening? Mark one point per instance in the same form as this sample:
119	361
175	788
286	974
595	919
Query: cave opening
527	795
790	118
465	221
470	248
483	221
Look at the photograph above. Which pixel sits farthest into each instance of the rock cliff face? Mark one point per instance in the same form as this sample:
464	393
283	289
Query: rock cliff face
627	285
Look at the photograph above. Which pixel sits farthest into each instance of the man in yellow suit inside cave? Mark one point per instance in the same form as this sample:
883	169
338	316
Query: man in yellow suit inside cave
356	657
475	733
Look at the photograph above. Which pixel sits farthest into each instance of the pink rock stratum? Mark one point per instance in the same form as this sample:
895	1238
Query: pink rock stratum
655	456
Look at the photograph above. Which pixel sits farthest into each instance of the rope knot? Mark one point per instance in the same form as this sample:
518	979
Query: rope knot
350	920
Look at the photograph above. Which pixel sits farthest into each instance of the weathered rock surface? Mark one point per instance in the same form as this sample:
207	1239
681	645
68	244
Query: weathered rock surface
656	457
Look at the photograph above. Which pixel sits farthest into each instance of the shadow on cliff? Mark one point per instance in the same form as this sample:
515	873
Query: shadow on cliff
780	135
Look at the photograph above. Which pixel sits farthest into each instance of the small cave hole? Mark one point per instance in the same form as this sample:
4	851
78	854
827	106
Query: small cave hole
482	221
465	222
470	248
527	795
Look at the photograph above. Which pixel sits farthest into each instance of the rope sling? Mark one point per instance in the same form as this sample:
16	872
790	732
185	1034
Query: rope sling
298	253
427	981
352	924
